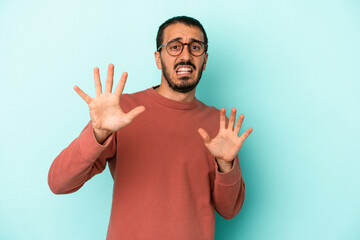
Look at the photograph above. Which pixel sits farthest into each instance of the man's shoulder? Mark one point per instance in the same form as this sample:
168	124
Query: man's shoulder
129	100
208	109
134	94
208	118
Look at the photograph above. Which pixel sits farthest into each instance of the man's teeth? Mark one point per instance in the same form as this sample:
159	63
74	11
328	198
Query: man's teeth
181	70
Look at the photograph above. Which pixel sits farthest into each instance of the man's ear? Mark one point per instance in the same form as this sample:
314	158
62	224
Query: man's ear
205	61
158	59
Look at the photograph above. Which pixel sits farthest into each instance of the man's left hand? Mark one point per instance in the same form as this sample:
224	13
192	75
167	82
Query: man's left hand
226	145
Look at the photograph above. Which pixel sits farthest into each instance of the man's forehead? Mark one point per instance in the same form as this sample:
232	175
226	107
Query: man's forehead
183	32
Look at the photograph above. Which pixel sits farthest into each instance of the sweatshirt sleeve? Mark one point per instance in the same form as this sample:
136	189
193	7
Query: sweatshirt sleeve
80	161
229	191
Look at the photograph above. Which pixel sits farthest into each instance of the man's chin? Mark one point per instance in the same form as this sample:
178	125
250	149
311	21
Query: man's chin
183	88
184	78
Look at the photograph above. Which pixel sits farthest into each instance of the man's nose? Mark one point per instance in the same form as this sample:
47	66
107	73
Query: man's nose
185	54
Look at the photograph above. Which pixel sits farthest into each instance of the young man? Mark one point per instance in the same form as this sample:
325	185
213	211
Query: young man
173	159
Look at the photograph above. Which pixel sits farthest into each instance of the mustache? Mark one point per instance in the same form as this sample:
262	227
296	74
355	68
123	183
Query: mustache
185	63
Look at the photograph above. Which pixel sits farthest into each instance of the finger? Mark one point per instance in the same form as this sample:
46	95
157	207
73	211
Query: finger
232	119
98	87
136	111
246	134
238	124
205	136
120	87
83	95
222	118
109	78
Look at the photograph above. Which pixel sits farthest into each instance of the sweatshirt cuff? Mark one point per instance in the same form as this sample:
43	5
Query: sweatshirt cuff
88	145
229	178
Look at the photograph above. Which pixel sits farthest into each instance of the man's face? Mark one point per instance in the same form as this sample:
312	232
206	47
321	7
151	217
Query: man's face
182	73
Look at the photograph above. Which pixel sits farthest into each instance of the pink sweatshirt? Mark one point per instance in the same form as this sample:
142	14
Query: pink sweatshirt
166	182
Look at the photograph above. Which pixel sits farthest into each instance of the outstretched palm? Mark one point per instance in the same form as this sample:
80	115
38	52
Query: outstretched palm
105	111
226	145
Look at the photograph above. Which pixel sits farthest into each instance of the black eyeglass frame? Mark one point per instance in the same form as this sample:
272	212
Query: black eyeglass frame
183	46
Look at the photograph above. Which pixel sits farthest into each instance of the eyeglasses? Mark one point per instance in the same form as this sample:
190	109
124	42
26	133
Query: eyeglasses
175	48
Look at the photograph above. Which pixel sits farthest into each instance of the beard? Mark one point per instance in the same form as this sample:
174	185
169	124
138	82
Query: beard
185	86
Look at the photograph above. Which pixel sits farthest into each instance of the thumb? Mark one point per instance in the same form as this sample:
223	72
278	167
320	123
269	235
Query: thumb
205	136
136	111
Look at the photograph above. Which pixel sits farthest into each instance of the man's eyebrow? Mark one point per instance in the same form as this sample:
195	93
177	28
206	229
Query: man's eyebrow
180	38
176	39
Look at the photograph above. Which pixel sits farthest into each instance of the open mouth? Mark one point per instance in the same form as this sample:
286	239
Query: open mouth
184	70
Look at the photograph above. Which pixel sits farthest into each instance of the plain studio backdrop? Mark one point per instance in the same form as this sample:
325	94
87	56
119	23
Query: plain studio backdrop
291	67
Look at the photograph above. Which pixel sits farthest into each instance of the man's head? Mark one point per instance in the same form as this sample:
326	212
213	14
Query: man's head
181	52
189	21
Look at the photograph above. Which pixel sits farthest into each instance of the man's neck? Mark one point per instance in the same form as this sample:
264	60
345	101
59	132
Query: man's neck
165	91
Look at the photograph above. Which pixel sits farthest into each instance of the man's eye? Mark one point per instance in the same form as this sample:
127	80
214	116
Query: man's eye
195	47
175	47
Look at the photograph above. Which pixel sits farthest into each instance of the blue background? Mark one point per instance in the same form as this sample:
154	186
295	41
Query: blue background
291	67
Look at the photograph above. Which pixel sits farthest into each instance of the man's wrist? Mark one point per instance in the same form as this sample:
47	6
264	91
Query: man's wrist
101	135
224	166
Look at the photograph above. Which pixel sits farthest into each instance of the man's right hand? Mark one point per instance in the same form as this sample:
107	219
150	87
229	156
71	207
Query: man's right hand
105	111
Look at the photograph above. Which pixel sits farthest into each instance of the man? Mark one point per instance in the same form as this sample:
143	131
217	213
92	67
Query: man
173	159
